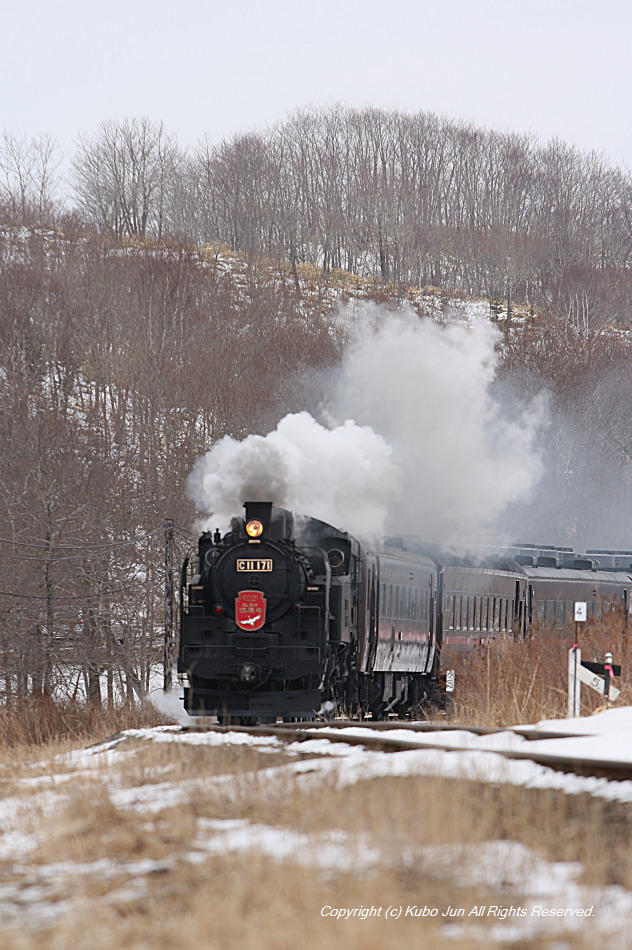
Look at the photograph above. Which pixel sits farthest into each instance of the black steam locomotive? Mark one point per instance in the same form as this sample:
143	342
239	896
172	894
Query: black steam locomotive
300	621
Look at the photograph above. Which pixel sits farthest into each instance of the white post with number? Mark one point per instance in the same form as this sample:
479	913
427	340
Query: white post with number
574	681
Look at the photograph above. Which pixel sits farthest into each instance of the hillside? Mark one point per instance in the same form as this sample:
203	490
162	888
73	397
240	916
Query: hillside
123	362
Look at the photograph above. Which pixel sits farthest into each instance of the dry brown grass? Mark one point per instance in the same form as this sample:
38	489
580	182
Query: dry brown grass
41	720
254	902
510	682
115	868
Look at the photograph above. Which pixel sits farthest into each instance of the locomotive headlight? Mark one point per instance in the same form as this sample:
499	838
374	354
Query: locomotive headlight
254	529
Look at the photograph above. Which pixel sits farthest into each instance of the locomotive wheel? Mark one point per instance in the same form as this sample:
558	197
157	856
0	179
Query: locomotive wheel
238	720
377	711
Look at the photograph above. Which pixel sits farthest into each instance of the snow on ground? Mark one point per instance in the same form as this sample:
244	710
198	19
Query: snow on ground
37	894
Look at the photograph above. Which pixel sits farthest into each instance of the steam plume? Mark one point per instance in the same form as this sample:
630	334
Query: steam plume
413	438
343	474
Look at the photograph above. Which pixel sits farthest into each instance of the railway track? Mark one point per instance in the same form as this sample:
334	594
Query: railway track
375	736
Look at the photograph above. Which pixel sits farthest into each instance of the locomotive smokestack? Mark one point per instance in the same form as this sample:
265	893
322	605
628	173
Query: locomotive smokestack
259	511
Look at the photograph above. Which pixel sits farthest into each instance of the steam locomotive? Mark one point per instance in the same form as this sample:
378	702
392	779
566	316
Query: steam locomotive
300	620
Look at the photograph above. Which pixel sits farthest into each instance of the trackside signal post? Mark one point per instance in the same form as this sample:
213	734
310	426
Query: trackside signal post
598	676
169	608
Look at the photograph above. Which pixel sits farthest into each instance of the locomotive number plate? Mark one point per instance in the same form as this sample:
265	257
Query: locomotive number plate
254	565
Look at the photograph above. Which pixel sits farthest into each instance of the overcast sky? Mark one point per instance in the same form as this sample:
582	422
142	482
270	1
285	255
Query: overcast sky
552	67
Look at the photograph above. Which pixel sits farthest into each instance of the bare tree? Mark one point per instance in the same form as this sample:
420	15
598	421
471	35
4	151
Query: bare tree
29	177
125	175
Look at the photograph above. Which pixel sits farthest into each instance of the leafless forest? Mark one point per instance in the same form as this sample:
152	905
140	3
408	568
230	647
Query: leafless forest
127	346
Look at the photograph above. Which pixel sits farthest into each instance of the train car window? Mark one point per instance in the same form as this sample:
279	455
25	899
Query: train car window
452	611
561	614
541	604
570	610
599	608
550	613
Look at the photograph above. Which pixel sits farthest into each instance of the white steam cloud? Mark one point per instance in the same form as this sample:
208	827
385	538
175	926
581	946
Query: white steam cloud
414	439
343	475
428	389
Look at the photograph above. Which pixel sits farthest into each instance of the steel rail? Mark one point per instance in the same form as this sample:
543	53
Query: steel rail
334	732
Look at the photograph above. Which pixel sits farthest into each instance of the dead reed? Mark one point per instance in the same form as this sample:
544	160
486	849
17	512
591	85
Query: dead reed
41	719
506	682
